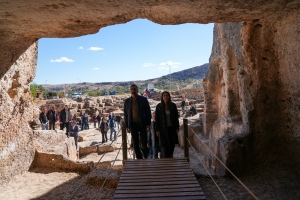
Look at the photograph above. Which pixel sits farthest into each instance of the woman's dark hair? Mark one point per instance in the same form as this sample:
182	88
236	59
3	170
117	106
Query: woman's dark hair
162	100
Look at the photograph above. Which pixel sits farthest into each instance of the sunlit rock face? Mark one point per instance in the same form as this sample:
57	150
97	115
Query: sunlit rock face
16	110
252	94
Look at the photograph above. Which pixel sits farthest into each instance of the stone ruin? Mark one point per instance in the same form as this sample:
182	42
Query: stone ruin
251	96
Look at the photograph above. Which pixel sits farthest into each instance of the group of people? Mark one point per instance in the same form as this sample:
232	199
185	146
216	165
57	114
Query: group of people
49	119
112	123
150	132
192	110
158	134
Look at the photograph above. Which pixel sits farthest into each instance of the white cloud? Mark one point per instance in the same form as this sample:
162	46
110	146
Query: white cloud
149	64
95	48
96	68
80	47
62	59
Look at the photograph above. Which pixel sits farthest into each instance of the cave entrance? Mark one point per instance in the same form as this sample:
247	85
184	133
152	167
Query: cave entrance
137	50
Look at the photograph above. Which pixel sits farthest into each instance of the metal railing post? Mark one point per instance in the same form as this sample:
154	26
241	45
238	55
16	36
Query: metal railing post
124	142
185	136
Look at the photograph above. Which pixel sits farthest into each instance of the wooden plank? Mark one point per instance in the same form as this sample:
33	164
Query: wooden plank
155	187
169	198
159	183
143	168
156	176
162	171
157	160
155	166
174	194
158	179
147	191
158	165
162	180
156	173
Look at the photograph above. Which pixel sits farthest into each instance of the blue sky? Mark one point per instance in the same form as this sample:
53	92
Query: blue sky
137	50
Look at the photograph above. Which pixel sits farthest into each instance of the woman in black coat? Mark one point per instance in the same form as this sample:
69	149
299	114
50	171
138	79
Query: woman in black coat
167	125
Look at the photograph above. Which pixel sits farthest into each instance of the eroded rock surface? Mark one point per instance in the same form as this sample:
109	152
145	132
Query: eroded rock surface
252	94
54	142
16	110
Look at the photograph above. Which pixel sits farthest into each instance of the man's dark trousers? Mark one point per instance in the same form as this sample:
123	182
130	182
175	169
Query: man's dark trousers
51	125
67	125
139	137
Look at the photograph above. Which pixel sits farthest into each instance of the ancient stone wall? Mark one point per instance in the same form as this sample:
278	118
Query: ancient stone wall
252	93
194	93
16	109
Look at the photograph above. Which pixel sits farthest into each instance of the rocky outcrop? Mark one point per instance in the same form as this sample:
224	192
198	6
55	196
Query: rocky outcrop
16	111
54	142
252	94
55	152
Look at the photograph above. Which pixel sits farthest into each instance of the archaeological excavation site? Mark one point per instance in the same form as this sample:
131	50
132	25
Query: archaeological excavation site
245	135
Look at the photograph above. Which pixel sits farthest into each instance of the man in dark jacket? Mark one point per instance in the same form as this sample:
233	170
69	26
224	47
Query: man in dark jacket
137	115
51	115
65	118
43	119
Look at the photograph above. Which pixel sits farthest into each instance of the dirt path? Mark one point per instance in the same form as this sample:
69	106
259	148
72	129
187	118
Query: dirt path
60	185
43	184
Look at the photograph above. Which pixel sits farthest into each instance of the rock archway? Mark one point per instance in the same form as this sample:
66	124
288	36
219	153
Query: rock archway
252	87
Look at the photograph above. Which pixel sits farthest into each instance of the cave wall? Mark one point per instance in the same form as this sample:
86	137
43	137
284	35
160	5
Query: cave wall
252	94
16	110
251	89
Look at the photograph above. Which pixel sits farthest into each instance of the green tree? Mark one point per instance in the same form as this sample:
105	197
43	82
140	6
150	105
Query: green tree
35	87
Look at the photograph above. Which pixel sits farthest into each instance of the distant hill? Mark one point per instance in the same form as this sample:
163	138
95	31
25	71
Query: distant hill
194	72
188	78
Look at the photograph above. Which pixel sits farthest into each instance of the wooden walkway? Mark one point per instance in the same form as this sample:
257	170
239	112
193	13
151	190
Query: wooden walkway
158	179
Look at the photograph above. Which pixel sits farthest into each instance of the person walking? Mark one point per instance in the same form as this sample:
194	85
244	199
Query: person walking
85	121
65	118
104	129
95	120
118	119
146	93
112	126
58	120
167	125
52	116
74	132
137	116
153	139
99	120
43	119
183	105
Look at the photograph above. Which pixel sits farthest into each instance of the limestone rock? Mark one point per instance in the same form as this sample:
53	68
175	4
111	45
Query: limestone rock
55	142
